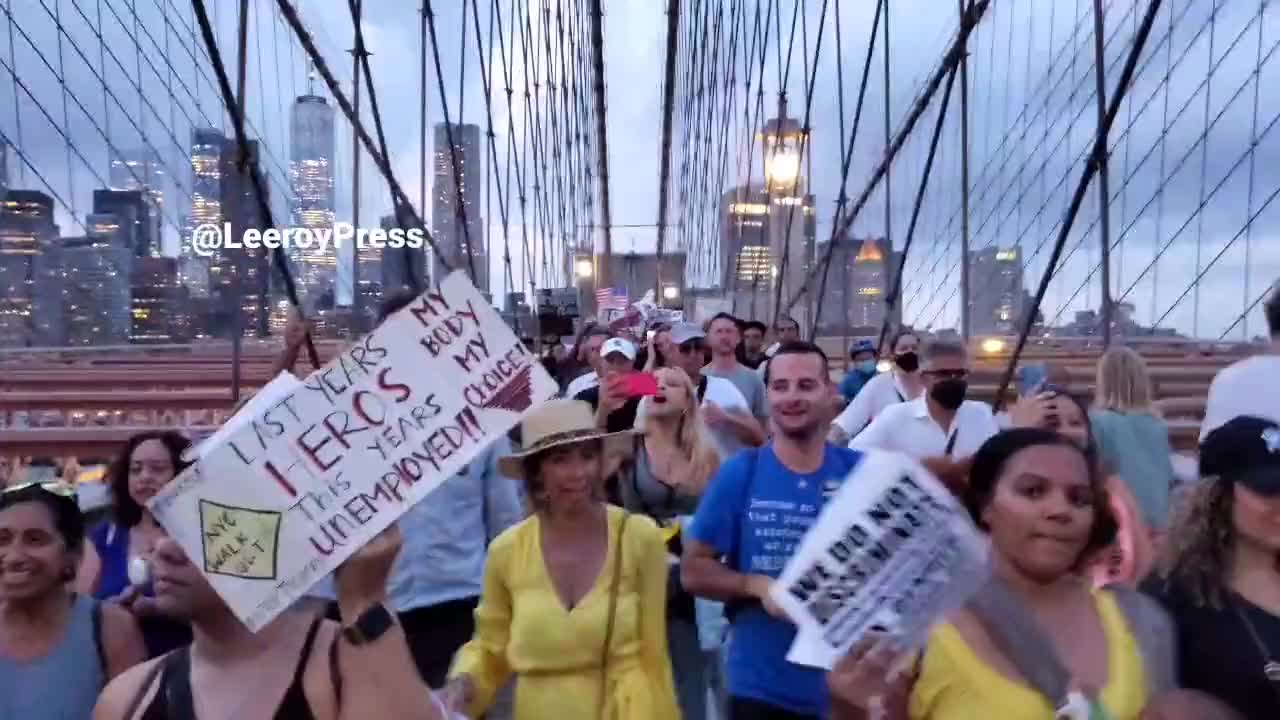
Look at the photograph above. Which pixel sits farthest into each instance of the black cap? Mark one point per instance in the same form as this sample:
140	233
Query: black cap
1246	450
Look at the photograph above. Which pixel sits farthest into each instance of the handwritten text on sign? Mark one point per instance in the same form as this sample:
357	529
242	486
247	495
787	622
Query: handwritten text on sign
315	473
889	554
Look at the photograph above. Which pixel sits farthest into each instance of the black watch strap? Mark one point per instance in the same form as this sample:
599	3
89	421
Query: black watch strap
371	625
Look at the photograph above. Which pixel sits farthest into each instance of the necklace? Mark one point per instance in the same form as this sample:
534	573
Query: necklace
1270	668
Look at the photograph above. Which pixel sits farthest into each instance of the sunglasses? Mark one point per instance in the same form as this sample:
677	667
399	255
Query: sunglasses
692	347
60	489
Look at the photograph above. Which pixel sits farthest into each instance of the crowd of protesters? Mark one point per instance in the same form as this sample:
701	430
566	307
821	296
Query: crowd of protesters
614	556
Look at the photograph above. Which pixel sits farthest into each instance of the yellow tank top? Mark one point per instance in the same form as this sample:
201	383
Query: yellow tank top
955	684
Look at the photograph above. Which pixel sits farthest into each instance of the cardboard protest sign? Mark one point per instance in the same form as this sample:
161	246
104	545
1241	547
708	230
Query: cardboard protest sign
891	551
319	466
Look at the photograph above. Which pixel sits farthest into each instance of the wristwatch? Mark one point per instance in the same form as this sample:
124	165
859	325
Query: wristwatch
370	626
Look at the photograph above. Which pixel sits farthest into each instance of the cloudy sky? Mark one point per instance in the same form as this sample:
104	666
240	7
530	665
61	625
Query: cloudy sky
1185	177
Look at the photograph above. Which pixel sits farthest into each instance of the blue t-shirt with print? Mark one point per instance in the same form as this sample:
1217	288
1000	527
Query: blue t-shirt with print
755	512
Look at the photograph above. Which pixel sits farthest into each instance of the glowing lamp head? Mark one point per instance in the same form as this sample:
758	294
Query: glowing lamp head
993	346
584	268
884	366
670	292
783	167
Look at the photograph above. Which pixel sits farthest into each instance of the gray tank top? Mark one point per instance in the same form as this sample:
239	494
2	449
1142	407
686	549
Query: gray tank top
643	492
62	685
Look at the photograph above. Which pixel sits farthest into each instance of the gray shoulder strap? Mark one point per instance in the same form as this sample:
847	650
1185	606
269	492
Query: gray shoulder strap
1153	631
1018	637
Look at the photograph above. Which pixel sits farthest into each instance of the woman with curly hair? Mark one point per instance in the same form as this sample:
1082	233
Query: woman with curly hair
1219	575
118	555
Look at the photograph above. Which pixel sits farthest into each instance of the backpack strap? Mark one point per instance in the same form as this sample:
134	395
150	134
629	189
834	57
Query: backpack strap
176	685
147	682
335	669
95	616
753	458
1154	634
733	607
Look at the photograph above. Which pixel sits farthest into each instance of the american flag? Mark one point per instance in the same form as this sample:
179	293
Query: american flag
614	298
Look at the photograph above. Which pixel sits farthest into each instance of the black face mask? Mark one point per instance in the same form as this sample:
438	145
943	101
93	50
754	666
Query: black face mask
908	361
949	393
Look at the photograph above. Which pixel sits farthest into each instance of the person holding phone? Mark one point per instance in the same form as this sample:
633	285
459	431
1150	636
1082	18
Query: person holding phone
1037	384
617	397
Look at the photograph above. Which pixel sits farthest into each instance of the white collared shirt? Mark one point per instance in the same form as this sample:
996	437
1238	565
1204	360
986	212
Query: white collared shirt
879	393
908	428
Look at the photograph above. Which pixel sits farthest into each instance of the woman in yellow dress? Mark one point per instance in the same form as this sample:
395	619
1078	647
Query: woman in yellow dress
1042	501
574	598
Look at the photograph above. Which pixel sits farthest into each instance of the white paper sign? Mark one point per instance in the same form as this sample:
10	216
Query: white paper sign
294	490
890	552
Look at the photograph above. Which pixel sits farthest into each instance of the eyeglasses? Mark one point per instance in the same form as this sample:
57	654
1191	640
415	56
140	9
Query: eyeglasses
60	489
948	374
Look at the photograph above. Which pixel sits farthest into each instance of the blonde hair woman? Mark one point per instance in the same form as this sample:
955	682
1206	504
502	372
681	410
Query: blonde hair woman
672	445
673	458
1132	438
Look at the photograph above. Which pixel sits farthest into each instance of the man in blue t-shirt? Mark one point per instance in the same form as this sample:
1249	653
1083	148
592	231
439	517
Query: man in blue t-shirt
748	525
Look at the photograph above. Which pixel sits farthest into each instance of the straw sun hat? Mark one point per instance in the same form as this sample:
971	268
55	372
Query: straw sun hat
560	422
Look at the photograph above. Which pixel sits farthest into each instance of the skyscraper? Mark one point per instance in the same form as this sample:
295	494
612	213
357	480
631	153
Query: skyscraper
96	275
29	311
140	169
401	267
757	229
745	260
132	209
159	303
996	295
768	232
239	278
446	217
207	149
857	283
311	155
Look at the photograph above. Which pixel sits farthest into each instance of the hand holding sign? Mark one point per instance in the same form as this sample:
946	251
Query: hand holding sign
361	581
890	553
310	471
873	676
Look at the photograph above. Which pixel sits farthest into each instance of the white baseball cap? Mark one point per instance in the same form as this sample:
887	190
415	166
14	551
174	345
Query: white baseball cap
618	345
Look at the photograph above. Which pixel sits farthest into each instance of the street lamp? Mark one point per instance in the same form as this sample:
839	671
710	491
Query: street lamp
783	167
670	292
993	346
584	268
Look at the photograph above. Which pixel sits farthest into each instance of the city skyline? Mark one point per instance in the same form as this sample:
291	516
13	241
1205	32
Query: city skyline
1162	234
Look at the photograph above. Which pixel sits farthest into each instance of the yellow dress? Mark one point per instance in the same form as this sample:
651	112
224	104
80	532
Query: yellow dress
955	684
523	628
